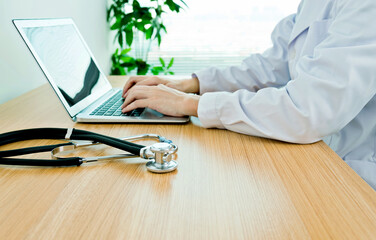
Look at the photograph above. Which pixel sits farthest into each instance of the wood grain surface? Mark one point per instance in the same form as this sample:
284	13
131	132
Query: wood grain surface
227	186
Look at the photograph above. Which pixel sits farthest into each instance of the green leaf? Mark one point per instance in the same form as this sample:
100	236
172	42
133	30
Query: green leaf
122	71
164	28
171	63
159	39
114	71
120	39
170	4
136	4
125	51
149	32
162	62
171	73
142	67
129	65
140	26
109	12
142	70
127	19
129	37
127	59
116	37
131	68
177	7
184	3
116	25
129	27
155	72
158	11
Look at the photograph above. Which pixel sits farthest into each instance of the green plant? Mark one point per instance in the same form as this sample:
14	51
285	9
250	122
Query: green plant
138	25
121	61
165	69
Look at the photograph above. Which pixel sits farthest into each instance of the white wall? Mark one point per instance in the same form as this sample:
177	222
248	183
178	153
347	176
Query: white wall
19	72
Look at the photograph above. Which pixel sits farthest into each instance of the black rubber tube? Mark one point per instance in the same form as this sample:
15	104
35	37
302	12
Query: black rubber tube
59	133
56	133
40	162
29	150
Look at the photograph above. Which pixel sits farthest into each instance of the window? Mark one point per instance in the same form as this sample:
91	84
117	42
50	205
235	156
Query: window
219	33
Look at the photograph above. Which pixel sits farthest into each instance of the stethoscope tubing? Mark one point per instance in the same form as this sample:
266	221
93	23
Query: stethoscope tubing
56	133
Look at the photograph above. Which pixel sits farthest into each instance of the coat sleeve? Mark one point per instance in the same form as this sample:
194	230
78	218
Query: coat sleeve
331	86
256	71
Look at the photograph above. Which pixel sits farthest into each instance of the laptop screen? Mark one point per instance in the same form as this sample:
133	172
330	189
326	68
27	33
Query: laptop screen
66	61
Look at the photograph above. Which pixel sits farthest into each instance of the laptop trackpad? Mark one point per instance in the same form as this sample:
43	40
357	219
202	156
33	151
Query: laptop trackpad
150	113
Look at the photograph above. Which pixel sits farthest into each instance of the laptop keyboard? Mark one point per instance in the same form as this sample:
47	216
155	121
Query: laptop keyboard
112	107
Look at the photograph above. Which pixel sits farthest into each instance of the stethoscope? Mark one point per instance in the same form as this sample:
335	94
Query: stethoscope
159	155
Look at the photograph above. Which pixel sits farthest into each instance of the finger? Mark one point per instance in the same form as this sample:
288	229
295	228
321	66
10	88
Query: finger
162	86
130	98
142	103
128	85
132	81
149	81
142	82
137	92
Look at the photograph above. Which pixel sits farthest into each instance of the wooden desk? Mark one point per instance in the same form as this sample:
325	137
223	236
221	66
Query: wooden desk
227	186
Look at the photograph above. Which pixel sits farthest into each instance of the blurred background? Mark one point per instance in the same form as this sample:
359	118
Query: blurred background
206	33
219	33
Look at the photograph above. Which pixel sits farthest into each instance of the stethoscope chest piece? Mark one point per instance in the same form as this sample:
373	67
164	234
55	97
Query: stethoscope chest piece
162	162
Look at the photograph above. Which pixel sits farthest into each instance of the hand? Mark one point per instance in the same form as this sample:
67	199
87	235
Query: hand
186	85
161	98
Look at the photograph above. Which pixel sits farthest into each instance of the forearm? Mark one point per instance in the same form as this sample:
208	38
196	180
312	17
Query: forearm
190	104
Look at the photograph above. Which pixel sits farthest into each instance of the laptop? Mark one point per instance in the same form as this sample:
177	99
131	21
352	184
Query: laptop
75	76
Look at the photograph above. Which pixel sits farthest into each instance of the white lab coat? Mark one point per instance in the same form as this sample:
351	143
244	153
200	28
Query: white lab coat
318	81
